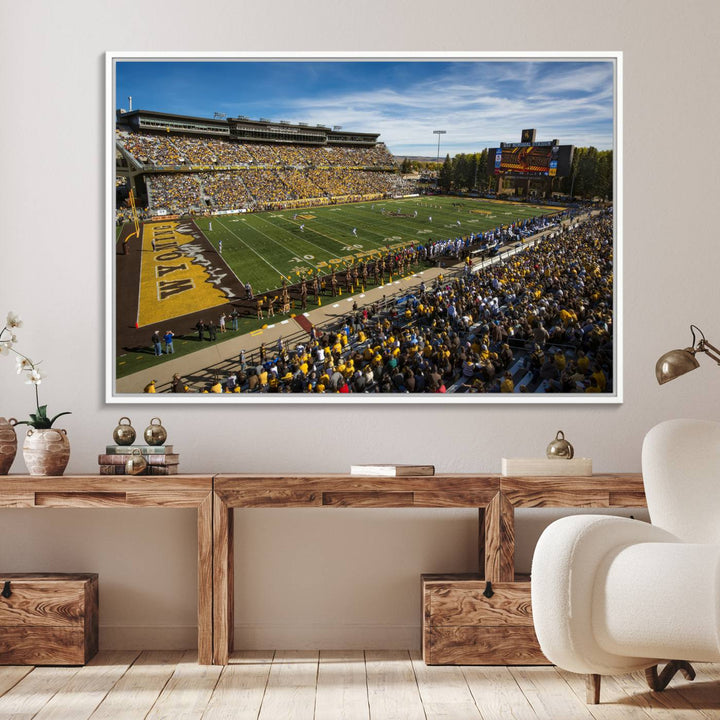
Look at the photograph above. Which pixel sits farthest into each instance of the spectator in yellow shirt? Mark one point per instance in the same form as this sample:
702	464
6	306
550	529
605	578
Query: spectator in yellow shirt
507	385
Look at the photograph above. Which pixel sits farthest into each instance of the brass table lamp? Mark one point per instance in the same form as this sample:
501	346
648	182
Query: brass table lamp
677	362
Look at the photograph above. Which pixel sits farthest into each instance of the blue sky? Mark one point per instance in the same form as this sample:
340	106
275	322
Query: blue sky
478	102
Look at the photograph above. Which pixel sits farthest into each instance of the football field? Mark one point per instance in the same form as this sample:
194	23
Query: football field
180	271
263	248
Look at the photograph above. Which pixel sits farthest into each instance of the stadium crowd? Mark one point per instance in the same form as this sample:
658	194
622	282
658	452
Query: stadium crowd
337	182
538	321
171	150
263	188
175	192
300	185
217	174
226	189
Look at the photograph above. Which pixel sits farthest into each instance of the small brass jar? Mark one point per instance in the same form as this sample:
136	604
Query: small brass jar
136	463
560	448
124	433
155	434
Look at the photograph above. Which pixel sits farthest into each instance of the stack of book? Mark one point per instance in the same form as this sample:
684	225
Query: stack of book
160	459
392	470
547	467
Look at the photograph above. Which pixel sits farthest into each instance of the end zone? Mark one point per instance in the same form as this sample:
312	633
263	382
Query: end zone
180	273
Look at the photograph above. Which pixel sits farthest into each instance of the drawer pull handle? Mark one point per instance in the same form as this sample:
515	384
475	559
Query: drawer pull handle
488	592
6	592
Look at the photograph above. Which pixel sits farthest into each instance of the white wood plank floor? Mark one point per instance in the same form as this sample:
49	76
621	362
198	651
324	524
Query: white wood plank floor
347	685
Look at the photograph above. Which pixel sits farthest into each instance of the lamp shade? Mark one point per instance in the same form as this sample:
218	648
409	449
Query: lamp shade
675	363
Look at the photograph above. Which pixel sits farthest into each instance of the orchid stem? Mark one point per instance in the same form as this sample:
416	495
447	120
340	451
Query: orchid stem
30	363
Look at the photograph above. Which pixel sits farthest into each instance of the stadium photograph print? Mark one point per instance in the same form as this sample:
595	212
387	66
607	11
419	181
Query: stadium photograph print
364	228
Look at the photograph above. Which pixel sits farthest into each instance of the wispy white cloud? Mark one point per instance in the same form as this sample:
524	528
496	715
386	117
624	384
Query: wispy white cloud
592	78
476	101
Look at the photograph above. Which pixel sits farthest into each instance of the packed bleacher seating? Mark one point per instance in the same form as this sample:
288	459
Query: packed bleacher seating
151	150
539	321
265	186
301	186
342	182
176	192
171	150
226	189
265	154
217	174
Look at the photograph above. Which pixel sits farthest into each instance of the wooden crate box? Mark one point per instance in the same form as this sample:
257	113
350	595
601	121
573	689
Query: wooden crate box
461	626
48	618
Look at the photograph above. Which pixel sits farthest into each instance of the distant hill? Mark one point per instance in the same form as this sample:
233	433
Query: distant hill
415	158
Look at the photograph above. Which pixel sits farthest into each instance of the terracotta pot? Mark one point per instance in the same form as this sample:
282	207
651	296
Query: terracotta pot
47	451
8	444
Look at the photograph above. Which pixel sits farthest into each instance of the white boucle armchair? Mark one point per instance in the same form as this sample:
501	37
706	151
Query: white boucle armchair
613	595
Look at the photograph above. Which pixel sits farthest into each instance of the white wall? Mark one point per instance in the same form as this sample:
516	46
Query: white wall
331	578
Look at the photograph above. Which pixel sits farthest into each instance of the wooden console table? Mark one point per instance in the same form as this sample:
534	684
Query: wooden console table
215	497
126	491
495	497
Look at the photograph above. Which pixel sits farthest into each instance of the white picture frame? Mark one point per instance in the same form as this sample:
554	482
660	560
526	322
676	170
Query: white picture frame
117	392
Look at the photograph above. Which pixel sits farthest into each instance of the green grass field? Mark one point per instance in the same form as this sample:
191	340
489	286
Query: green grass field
261	248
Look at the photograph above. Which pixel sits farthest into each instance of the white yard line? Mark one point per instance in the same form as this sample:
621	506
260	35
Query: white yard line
279	244
308	242
317	232
227	265
282	274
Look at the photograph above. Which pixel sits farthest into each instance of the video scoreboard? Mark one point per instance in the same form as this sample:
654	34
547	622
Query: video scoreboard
530	158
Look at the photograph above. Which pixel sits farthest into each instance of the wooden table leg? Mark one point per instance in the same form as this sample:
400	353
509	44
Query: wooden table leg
499	518
205	580
481	541
223	581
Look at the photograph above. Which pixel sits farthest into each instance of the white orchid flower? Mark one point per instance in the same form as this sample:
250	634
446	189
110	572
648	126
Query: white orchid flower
35	377
29	370
13	320
23	364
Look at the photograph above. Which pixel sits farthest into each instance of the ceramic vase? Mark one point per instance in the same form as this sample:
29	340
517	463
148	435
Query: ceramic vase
8	444
46	451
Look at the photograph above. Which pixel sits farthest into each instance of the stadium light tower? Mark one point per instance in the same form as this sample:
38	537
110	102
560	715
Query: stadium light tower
439	133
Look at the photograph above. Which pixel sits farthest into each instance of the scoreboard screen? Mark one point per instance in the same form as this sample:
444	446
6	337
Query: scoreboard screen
531	160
